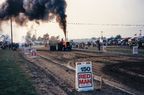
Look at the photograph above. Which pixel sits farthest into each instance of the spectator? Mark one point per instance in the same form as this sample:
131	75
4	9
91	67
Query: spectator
98	45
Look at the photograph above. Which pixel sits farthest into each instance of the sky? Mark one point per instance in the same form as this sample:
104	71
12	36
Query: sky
104	12
91	18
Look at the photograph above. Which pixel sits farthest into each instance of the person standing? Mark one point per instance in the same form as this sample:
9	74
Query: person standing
98	45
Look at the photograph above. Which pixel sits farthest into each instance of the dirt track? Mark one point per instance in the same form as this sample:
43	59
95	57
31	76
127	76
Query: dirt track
53	79
62	78
108	66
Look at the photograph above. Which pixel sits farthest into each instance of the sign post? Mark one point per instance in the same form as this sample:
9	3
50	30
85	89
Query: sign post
84	76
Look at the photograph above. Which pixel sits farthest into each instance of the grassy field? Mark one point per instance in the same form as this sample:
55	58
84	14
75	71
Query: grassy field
125	50
118	49
13	81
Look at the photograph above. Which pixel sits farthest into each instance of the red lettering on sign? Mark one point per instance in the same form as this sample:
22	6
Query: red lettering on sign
84	76
88	75
85	81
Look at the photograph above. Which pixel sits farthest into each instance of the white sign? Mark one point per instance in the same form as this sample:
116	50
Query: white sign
33	53
135	49
104	48
84	76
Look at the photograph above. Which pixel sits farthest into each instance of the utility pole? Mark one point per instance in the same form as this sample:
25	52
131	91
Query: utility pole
11	30
66	35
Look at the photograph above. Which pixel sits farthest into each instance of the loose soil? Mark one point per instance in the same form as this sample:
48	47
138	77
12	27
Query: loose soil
128	70
54	79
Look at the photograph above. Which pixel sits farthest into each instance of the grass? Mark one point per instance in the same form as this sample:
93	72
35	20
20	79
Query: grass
125	50
118	49
13	81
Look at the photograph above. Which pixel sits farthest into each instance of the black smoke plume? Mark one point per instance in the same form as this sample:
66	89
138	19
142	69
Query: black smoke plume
24	10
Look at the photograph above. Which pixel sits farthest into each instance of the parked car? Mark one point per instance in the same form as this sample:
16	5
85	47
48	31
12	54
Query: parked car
136	42
124	41
141	42
133	42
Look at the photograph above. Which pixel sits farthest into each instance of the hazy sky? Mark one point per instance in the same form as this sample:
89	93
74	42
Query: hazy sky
104	12
94	12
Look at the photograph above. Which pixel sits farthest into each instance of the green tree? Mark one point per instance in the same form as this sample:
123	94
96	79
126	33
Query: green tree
40	38
118	37
46	38
28	35
34	38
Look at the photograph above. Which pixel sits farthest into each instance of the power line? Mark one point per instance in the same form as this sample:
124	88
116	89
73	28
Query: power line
94	24
125	25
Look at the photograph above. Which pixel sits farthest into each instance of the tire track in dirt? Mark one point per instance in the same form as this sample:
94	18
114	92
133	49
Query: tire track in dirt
43	81
54	61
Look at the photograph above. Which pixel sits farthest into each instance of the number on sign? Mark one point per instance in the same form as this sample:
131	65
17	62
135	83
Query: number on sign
85	69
